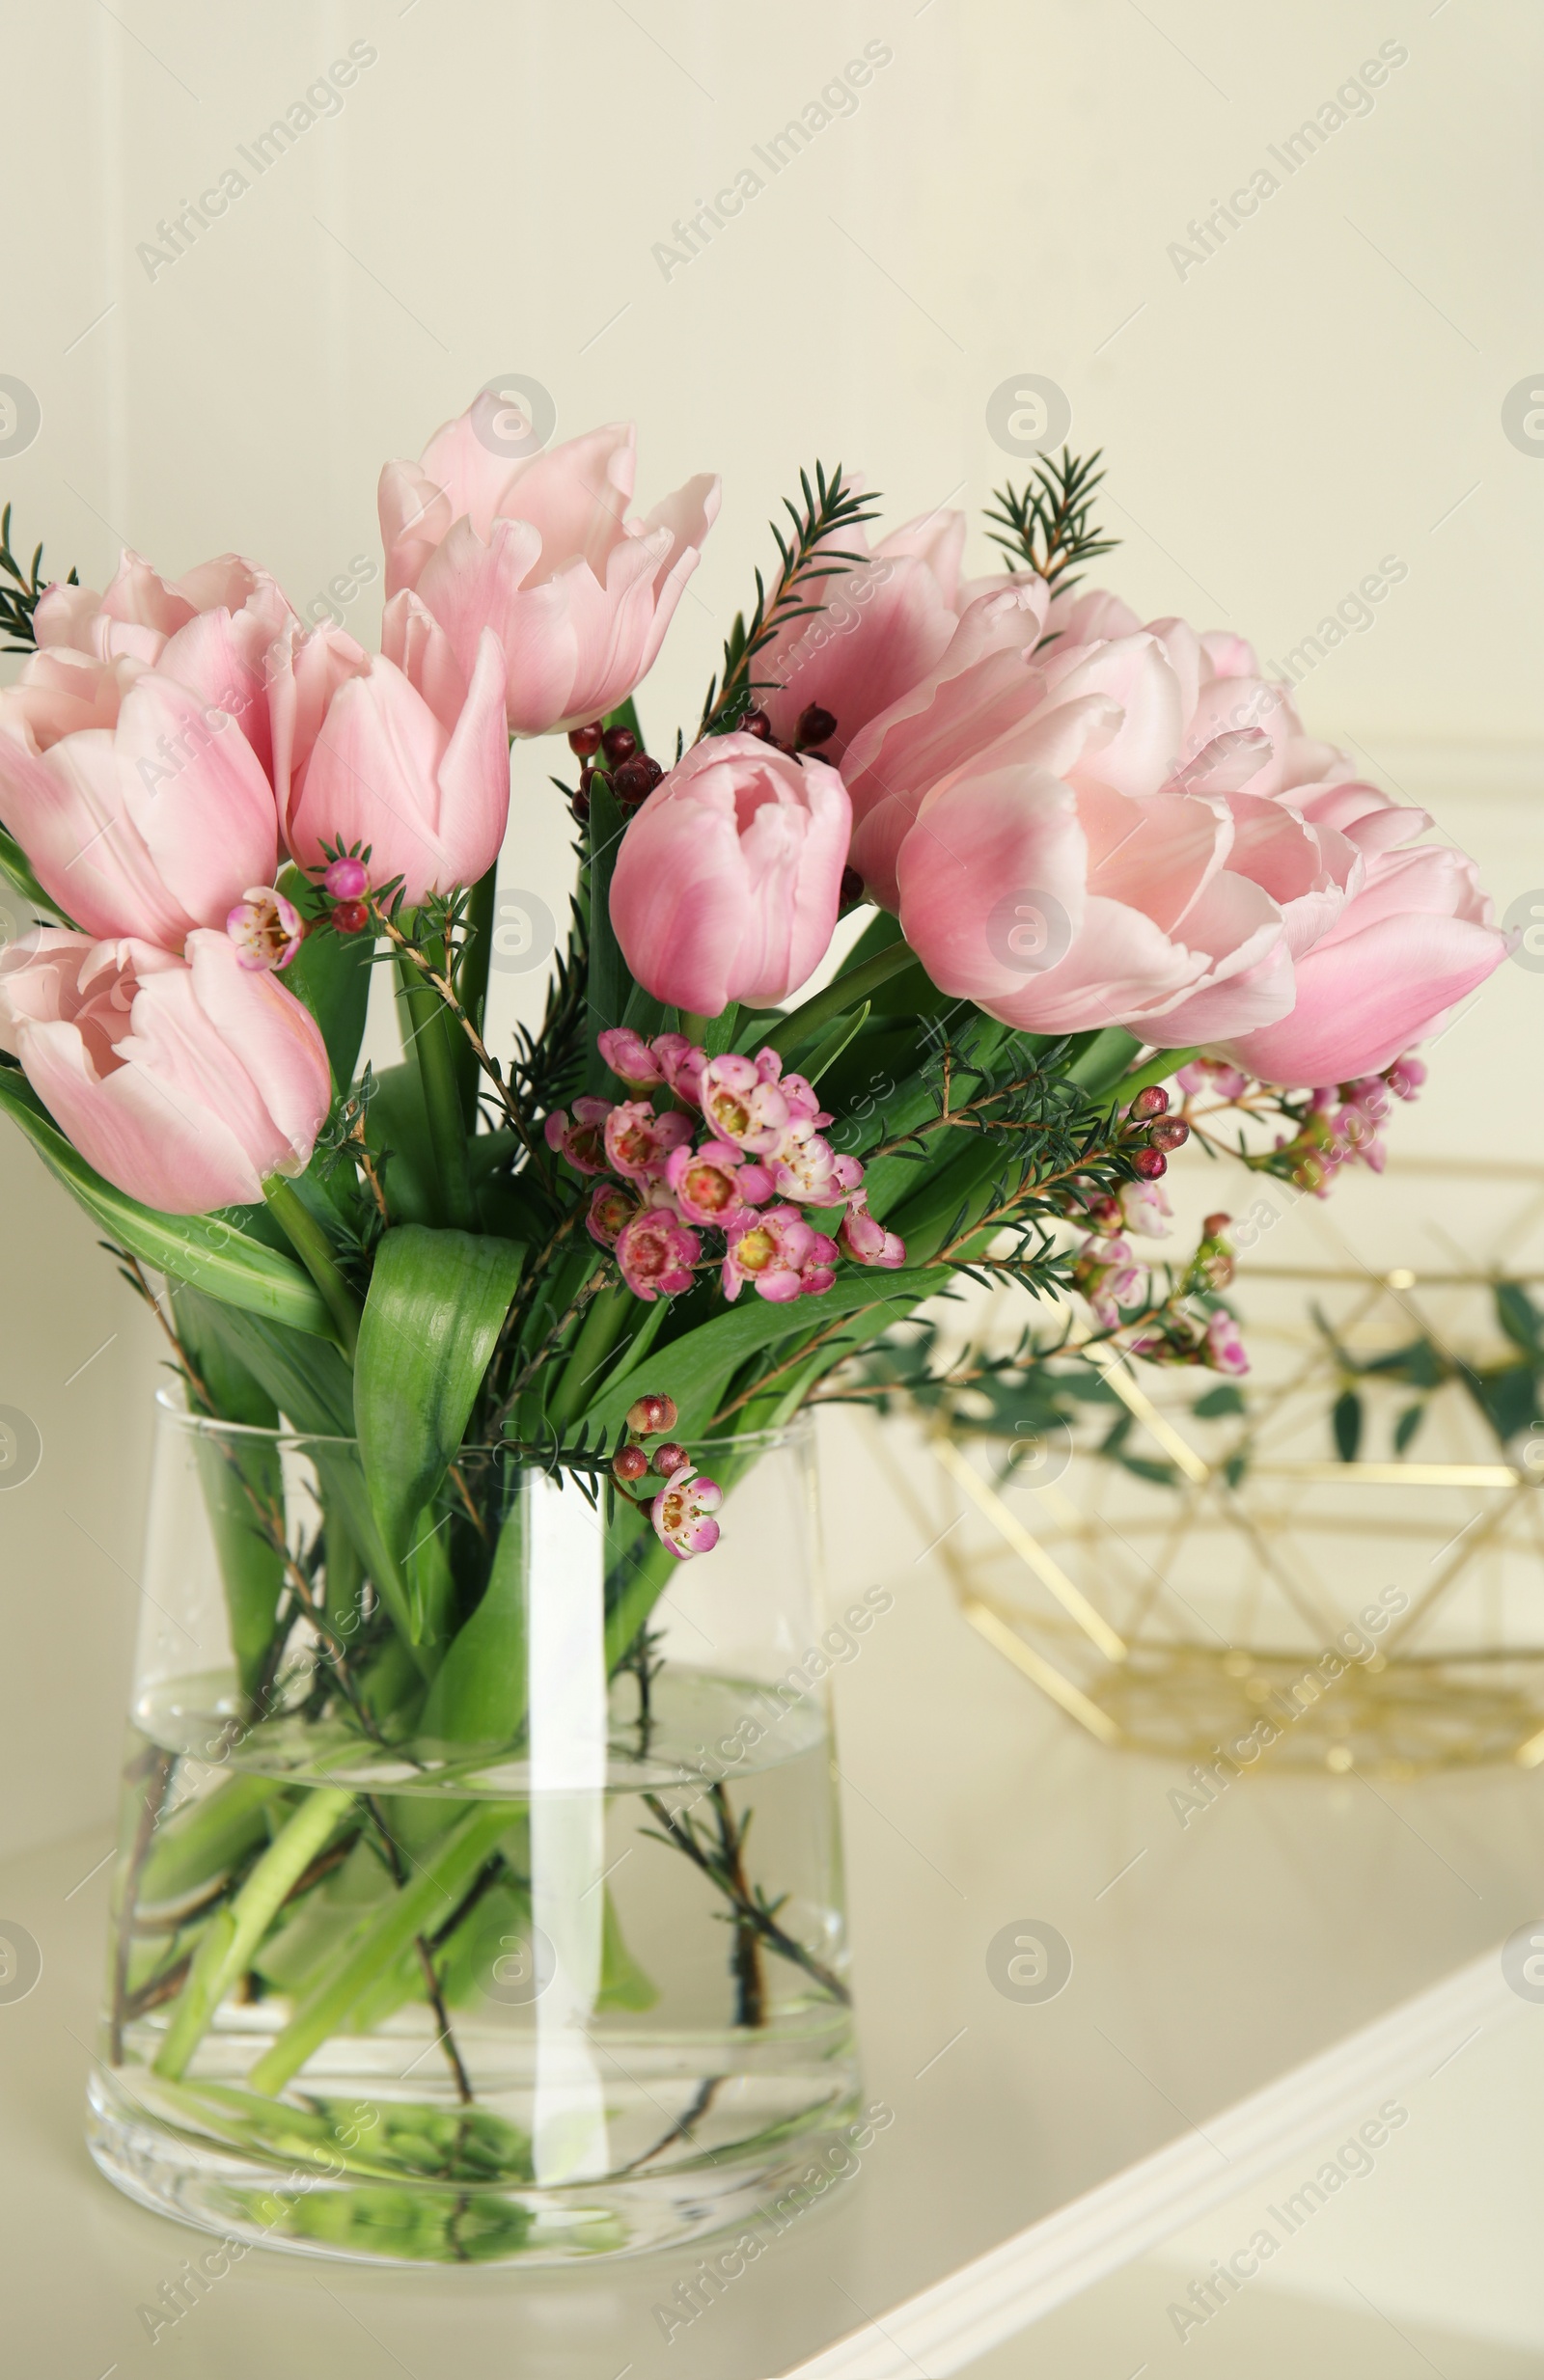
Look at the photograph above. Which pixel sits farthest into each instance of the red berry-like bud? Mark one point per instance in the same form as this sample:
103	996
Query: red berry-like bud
1153	1100
630	783
618	744
1215	1225
816	725
655	772
852	888
651	1416
1149	1163
1170	1131
350	916
670	1458
756	723
581	805
629	1464
585	741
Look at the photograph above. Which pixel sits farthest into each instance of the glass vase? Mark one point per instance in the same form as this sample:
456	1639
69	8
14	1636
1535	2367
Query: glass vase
455	1940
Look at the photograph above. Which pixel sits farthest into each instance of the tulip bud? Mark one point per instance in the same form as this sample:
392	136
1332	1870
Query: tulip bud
1153	1100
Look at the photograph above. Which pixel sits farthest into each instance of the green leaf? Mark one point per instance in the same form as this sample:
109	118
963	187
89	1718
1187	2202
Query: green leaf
1405	1428
480	1694
1508	1397
1225	1399
203	1249
1346	1420
432	1319
624	1985
836	1041
242	1481
330	974
1519	1317
697	1368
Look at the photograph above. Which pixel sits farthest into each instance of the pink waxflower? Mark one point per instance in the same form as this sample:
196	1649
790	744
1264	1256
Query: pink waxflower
538	548
630	1057
639	1142
657	1254
1143	1209
142	811
1214	1075
744	1102
266	929
186	1081
611	1210
779	1254
681	1064
866	1238
583	1140
1108	1277
713	1185
683	1513
728	880
1225	1349
397	753
807	1168
210	630
1405	1078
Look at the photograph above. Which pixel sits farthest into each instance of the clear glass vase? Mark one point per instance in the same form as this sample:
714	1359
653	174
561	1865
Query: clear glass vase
467	1949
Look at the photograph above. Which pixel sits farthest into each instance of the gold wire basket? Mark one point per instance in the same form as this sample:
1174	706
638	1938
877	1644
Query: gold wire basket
1230	1590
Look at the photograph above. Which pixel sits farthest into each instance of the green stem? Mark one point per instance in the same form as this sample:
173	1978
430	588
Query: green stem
441	1879
847	991
602	1327
1099	1067
1160	1069
428	1020
473	985
234	1933
314	1248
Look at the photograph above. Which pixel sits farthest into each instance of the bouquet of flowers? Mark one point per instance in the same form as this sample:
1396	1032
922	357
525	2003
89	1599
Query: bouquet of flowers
1063	857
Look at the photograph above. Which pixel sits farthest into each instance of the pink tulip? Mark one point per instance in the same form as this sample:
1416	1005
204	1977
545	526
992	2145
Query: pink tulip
397	751
210	630
729	878
1416	939
540	551
142	811
184	1081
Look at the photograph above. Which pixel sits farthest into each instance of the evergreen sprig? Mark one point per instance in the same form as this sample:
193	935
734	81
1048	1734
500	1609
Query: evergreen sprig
19	600
830	510
1048	526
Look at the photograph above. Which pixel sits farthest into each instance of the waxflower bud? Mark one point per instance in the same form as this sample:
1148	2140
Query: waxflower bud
756	723
629	1464
1170	1131
631	782
346	879
350	916
1153	1100
670	1458
1215	1225
585	741
651	1416
816	725
1149	1163
618	744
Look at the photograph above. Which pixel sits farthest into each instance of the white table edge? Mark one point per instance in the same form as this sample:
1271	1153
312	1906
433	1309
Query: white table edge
994	2296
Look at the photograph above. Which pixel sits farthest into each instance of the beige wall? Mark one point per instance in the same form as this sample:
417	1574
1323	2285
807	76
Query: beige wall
1323	392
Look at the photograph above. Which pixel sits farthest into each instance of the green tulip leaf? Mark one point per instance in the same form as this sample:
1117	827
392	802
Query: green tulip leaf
436	1301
